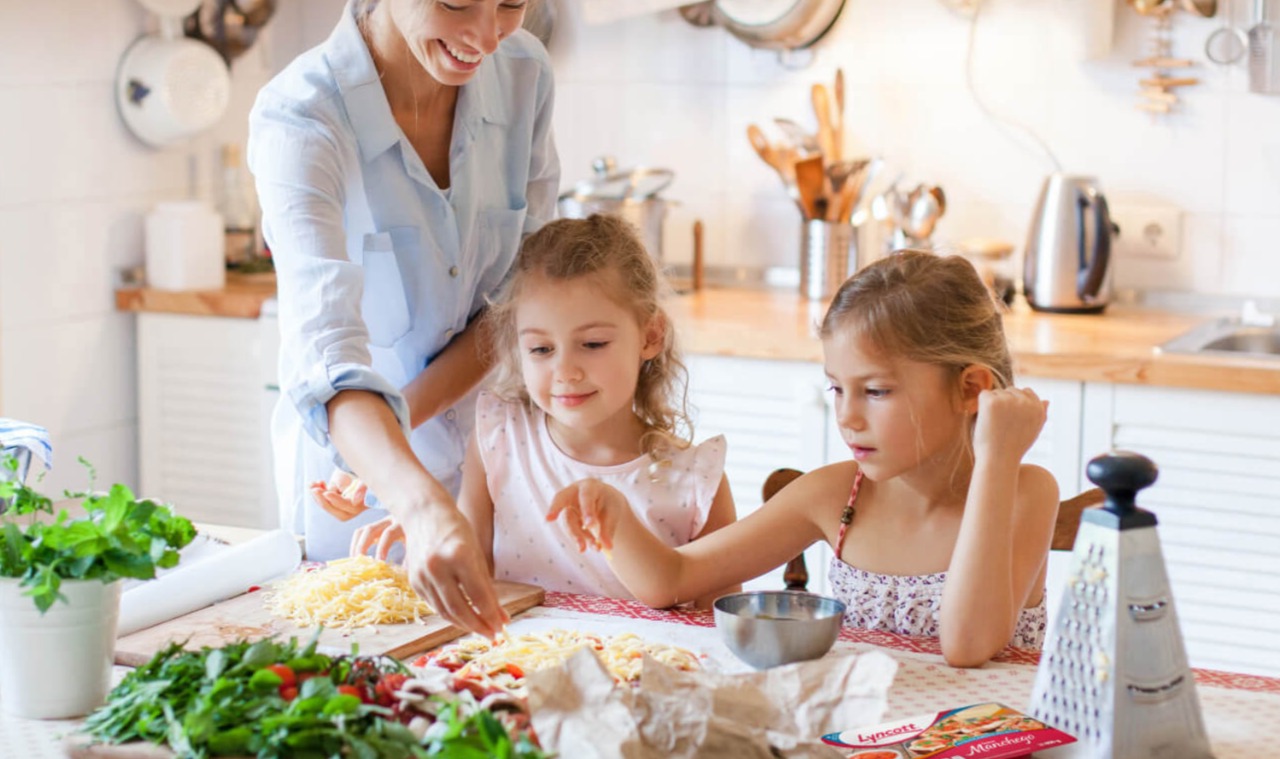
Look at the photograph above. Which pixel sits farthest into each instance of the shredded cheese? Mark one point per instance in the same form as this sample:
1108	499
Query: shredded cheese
622	655
348	593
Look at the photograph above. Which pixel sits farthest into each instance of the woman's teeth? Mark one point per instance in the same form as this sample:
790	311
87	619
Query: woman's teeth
464	57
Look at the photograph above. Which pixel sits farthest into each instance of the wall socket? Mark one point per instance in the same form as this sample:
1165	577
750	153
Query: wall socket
1148	231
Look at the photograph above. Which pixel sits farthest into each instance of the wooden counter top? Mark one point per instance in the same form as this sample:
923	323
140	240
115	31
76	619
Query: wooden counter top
1117	346
241	298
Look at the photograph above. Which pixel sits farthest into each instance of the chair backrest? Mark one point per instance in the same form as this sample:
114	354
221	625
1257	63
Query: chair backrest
1068	524
796	574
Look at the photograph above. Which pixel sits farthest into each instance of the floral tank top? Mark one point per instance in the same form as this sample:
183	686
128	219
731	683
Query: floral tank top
907	604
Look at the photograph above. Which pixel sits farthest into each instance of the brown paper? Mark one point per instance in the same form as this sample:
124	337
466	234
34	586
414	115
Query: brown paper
579	711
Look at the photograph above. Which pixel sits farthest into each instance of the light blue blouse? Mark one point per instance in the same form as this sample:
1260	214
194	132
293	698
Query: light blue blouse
378	268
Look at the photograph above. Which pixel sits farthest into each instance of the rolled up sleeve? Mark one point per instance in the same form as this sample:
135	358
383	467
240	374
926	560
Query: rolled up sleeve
300	172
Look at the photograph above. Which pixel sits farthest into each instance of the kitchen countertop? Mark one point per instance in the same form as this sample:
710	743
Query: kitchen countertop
1117	346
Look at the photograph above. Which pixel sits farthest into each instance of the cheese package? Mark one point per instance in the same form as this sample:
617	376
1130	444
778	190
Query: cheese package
988	730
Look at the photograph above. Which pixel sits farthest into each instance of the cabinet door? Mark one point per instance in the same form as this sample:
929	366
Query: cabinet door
772	416
1218	504
202	445
1058	447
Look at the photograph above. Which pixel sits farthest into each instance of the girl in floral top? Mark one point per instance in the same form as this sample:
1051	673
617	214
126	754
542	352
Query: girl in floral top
938	527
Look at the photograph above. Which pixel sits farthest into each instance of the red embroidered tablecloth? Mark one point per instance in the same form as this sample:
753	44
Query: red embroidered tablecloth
1239	709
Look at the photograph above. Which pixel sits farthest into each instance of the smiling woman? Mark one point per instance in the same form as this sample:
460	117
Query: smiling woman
399	165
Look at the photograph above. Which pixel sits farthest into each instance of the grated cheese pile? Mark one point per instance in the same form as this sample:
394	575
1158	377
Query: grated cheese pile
622	654
348	593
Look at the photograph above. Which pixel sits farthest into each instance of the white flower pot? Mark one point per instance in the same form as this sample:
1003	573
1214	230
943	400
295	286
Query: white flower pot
57	664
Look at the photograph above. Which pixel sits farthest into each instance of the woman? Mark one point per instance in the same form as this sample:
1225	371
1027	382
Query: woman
398	165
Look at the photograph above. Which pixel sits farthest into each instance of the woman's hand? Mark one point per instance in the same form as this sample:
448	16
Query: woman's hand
385	532
342	496
447	568
591	510
1009	421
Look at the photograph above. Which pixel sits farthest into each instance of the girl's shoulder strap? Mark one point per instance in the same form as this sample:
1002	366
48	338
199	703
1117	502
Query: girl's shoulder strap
846	516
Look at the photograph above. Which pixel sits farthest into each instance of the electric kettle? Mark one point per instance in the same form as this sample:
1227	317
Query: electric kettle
1068	257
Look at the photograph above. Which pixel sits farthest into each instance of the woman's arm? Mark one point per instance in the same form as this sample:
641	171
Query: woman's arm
452	374
660	576
474	500
442	555
1005	533
721	514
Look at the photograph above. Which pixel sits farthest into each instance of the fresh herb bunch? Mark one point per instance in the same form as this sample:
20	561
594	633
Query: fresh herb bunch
119	537
271	699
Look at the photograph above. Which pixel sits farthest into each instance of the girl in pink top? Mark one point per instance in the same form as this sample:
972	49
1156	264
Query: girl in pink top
937	525
589	385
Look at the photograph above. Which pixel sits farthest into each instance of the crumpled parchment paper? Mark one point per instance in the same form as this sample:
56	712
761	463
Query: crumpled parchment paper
580	712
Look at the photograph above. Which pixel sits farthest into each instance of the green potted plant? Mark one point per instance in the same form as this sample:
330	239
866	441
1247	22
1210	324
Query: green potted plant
60	590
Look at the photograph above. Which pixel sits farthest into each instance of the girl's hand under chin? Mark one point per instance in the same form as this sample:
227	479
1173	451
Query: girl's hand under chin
591	510
1009	420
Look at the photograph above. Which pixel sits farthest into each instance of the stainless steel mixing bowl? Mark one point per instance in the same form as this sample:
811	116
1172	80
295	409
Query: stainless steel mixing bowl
768	628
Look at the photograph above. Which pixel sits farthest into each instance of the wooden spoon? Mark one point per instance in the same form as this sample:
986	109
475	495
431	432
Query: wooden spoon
839	118
822	110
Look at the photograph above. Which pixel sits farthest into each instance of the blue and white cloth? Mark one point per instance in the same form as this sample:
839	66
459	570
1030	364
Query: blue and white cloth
20	436
378	267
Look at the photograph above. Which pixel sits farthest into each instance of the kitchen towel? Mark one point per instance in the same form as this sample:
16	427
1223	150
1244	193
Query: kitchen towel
212	576
16	434
606	11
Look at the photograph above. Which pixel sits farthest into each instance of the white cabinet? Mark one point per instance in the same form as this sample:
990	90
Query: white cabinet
773	415
202	415
1217	500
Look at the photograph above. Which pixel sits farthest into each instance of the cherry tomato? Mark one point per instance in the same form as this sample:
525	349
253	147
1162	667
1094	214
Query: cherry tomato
286	675
288	692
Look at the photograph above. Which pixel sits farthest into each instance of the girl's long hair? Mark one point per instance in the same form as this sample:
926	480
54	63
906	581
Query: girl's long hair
927	308
609	251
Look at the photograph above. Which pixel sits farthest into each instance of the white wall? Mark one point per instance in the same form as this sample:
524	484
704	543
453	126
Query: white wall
74	186
654	90
651	90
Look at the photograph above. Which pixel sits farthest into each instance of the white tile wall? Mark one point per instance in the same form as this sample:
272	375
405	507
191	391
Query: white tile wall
74	186
1218	159
651	90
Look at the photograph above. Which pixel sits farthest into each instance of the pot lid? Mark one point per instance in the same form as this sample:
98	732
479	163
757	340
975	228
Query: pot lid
610	183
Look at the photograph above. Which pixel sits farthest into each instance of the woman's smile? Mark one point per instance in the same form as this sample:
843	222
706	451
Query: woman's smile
461	60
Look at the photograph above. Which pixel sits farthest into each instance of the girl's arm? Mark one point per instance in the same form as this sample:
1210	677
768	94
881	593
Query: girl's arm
658	575
1005	533
721	514
474	500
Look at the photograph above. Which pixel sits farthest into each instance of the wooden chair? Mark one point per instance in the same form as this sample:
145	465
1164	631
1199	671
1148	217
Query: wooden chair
796	574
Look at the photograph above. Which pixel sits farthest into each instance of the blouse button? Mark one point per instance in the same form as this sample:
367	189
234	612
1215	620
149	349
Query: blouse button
448	334
451	415
453	271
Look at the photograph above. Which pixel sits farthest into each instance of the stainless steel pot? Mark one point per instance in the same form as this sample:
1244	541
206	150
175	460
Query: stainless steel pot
631	194
773	24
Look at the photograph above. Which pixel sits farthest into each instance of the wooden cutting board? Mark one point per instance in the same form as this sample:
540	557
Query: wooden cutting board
246	618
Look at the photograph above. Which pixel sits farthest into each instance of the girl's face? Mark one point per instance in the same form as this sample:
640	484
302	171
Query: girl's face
580	353
450	38
894	414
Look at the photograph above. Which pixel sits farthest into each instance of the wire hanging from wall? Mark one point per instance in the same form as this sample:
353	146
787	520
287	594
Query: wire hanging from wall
1010	125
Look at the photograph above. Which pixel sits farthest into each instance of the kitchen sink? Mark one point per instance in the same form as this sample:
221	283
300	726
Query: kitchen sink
1229	337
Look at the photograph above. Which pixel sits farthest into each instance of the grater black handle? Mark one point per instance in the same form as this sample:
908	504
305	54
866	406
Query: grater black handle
1121	474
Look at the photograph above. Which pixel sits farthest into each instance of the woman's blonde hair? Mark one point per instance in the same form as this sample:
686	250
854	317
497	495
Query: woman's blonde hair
926	308
608	250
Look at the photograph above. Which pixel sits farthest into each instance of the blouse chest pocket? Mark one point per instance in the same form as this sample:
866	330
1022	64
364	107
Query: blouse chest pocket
385	305
498	238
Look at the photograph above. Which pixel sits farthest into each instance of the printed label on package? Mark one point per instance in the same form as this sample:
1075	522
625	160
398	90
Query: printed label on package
990	730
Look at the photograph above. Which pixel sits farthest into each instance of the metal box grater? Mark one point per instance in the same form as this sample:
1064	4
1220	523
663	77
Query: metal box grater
1114	671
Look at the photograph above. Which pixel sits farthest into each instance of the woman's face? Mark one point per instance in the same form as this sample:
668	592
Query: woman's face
450	38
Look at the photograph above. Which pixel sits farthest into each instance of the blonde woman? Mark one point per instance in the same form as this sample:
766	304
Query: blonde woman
938	527
398	164
589	385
